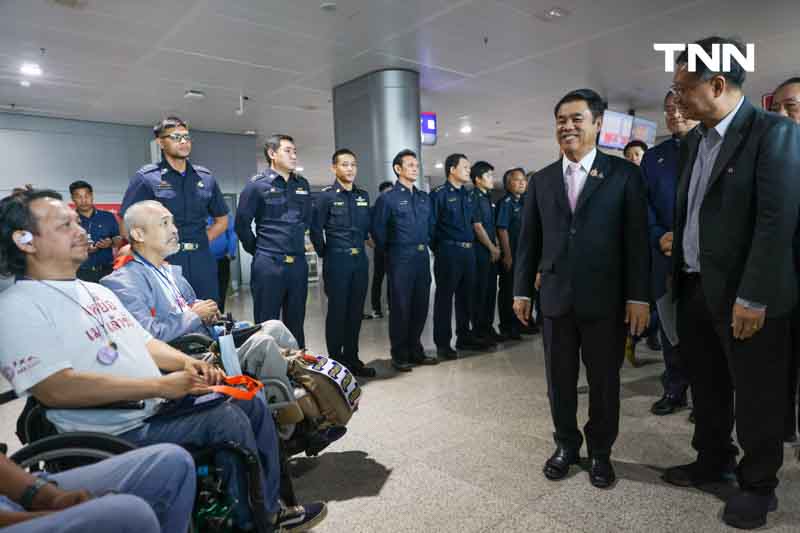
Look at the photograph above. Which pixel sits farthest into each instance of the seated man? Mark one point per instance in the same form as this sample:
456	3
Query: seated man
75	345
149	490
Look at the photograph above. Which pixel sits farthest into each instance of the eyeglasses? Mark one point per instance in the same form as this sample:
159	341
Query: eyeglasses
679	91
177	137
791	105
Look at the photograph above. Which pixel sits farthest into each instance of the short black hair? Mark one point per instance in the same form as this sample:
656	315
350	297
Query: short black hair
595	102
735	76
168	123
342	151
274	143
633	144
507	174
479	169
80	184
16	215
385	185
452	161
398	159
790	81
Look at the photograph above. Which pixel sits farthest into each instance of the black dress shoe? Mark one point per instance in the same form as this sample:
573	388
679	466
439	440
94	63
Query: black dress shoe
424	360
513	335
472	344
653	343
365	316
446	353
667	405
402	366
532	329
601	473
697	475
557	467
364	372
748	510
691	417
377	314
497	337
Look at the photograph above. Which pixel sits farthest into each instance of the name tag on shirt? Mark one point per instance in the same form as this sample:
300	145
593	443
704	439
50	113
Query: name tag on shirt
164	185
403	202
452	199
301	191
338	204
362	203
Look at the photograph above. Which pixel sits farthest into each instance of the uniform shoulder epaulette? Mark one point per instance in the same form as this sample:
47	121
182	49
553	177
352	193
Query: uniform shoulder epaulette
202	169
328	188
438	187
148	168
507	199
257	177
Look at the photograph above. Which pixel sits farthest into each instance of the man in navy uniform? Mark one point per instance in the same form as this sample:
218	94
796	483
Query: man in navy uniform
509	217
401	227
486	255
102	230
379	268
660	173
279	200
453	213
339	228
191	193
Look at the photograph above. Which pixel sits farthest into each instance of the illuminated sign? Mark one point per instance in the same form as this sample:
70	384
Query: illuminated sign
427	128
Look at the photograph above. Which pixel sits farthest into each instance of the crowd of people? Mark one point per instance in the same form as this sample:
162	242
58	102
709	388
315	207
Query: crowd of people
691	243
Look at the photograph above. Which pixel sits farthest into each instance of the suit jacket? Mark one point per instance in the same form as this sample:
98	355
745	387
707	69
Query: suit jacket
748	214
591	261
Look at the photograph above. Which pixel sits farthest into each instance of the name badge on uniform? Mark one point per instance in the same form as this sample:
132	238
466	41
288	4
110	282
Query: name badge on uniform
201	185
403	202
164	185
361	201
338	204
301	191
452	199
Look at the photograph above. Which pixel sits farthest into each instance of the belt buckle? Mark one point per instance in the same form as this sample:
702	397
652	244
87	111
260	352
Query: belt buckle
420	247
466	245
288	259
354	251
189	246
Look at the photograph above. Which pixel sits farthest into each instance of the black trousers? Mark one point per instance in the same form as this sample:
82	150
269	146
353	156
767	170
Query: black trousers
601	345
224	279
378	272
755	368
792	415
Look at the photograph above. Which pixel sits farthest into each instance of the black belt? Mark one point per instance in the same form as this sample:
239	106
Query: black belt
350	251
99	268
692	277
288	259
460	244
417	247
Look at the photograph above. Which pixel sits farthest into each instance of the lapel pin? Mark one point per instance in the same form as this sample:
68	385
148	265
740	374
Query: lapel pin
660	160
730	170
201	185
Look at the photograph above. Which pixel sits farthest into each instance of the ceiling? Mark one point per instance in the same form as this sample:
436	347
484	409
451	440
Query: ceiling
490	63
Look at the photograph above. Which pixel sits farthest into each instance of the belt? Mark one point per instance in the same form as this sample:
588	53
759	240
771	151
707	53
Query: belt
460	244
189	246
691	276
99	268
351	251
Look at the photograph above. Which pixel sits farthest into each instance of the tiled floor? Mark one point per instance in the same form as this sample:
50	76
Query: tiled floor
459	447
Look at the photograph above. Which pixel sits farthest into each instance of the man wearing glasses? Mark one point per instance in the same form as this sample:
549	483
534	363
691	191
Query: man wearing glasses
191	194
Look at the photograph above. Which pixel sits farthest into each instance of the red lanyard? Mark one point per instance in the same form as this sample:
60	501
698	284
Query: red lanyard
234	390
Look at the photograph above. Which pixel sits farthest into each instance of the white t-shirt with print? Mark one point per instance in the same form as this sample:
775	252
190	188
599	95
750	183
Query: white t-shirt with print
47	331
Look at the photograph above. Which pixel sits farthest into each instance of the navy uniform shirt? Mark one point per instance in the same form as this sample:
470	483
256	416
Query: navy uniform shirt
402	217
282	211
452	214
100	225
191	197
341	218
484	212
509	218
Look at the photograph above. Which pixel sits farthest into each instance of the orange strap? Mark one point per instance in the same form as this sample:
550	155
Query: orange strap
234	390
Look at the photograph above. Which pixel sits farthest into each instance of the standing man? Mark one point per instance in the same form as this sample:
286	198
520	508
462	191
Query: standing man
452	215
584	226
735	281
379	268
191	193
102	230
224	249
509	216
401	227
487	254
786	101
339	228
279	201
660	173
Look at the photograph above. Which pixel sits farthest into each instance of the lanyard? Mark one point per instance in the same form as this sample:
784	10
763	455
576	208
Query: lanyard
162	276
94	316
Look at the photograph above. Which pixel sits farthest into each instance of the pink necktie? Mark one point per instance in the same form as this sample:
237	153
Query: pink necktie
572	184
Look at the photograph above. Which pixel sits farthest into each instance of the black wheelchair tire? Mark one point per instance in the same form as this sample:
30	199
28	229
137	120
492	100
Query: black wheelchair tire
81	445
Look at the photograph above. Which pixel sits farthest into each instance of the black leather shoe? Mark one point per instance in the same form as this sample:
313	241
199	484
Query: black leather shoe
531	329
364	372
495	336
513	335
696	475
691	417
402	366
377	314
557	467
424	360
473	344
667	405
601	473
748	510
653	343
446	353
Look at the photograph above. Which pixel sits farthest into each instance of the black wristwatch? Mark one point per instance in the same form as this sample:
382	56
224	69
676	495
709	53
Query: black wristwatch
26	500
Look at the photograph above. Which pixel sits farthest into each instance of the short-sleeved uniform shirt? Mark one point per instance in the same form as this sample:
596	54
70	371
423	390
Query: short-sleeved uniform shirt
98	226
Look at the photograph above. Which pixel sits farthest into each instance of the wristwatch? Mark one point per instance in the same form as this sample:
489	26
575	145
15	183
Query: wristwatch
26	501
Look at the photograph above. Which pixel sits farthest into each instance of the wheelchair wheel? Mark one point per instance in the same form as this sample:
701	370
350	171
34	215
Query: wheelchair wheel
69	450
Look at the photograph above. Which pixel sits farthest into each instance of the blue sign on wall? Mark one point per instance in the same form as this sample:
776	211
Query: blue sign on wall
427	128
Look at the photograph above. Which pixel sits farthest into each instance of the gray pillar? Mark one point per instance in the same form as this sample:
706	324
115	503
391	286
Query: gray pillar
376	116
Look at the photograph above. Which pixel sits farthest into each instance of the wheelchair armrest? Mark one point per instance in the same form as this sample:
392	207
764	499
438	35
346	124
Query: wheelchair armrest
192	343
8	396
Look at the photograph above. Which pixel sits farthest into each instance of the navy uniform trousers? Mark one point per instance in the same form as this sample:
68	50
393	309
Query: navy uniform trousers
485	292
346	278
454	268
200	270
410	286
280	289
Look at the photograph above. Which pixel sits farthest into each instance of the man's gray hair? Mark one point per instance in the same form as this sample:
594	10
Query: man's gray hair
137	214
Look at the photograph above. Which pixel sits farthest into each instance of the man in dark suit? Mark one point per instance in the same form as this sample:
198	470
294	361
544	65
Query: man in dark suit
736	212
584	227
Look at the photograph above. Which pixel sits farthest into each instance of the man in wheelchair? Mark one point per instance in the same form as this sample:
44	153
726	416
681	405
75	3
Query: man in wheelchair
74	346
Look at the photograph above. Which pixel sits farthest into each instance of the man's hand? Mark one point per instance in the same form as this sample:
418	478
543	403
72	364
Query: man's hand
92	248
369	242
51	498
522	308
179	384
207	310
212	374
495	251
665	242
747	321
538	283
103	243
508	261
637	316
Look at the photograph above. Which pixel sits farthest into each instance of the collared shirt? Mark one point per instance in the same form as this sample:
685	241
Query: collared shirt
585	167
453	213
100	225
190	196
484	212
281	209
402	217
707	153
341	218
509	218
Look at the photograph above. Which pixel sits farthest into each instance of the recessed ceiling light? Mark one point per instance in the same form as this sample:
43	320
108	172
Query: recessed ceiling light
466	129
300	169
249	132
328	6
193	94
31	69
25	83
552	14
439	165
